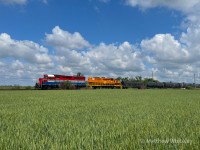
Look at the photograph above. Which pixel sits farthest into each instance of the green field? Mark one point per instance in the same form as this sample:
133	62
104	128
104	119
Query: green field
100	119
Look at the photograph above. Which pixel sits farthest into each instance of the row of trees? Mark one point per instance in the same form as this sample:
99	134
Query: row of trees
137	79
15	87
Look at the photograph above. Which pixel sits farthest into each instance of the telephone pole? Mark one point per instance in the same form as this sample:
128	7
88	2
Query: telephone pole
194	80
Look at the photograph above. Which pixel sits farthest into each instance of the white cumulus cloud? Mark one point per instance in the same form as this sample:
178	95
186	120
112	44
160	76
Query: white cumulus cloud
27	50
174	60
63	39
166	48
186	6
102	59
115	59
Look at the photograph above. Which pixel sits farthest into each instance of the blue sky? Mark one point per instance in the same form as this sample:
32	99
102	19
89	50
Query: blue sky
99	37
96	21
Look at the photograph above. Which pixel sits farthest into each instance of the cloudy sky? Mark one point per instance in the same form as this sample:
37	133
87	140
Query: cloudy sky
99	38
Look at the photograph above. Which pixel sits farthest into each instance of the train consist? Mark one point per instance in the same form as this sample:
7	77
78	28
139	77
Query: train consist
56	81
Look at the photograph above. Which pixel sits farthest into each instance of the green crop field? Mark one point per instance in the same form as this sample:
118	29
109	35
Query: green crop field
100	119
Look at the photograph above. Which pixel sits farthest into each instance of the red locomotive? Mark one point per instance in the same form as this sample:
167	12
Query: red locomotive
54	81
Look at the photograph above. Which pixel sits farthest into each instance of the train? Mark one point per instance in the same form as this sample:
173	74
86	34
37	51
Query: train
55	82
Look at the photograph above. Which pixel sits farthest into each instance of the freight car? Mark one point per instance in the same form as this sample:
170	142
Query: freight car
102	82
55	81
151	85
173	85
131	84
155	85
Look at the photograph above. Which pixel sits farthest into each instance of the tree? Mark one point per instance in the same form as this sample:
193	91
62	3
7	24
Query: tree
119	78
150	80
79	74
138	78
125	79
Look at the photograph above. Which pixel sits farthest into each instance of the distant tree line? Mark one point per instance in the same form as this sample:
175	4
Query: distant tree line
137	79
16	87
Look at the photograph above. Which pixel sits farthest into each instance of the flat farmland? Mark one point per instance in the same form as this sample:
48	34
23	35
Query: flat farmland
100	119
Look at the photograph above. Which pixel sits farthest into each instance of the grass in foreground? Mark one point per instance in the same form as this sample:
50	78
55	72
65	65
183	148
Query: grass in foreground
100	119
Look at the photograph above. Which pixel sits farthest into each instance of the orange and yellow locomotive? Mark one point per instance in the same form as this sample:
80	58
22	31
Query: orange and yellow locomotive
102	82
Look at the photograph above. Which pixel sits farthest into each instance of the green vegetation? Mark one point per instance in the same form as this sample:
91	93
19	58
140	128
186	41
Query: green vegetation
190	87
66	86
16	87
138	79
100	119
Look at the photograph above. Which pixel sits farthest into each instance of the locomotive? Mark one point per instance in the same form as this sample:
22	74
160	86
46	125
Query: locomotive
55	82
102	82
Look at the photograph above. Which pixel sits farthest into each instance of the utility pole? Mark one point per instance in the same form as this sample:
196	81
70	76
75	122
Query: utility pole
194	80
152	74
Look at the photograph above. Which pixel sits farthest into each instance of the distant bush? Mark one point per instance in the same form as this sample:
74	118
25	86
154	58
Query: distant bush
189	87
28	88
16	87
66	86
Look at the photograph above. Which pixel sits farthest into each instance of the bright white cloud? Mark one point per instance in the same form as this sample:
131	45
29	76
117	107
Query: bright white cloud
21	62
192	36
115	59
165	48
23	73
174	60
28	50
10	2
101	59
190	39
186	6
63	39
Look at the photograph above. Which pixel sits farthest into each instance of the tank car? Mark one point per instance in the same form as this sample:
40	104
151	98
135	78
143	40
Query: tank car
155	85
133	84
